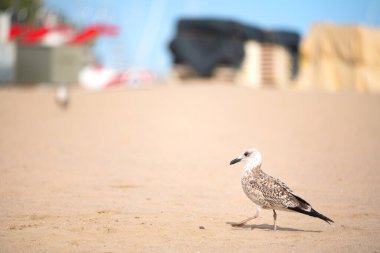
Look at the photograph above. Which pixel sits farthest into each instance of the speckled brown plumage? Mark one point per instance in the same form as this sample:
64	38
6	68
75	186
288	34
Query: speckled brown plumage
268	192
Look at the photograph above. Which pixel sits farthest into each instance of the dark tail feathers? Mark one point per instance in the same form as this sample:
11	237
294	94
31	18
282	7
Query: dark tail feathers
312	213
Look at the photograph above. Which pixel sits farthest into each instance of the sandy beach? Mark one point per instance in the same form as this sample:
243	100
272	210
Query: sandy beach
128	170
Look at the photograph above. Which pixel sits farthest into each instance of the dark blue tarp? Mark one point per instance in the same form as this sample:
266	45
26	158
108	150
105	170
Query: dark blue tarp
205	43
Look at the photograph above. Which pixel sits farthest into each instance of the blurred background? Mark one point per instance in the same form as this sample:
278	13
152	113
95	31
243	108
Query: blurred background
97	44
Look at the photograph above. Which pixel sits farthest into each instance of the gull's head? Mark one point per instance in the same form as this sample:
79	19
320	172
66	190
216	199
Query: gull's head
250	156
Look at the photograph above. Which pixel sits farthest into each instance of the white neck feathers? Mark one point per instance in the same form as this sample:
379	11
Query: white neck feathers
251	164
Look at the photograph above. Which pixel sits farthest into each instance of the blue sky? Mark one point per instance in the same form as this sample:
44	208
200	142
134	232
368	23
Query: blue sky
146	26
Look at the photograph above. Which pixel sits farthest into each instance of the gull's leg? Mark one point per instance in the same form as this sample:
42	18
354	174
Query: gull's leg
274	219
241	223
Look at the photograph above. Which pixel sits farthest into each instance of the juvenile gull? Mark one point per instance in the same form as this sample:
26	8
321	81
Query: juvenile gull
268	192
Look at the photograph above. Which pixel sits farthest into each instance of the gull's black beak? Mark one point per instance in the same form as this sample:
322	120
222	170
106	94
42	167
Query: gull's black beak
236	160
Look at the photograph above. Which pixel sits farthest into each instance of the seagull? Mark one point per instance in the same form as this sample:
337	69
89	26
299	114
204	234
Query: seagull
268	192
62	96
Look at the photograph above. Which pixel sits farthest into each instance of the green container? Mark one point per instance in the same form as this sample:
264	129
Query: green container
40	64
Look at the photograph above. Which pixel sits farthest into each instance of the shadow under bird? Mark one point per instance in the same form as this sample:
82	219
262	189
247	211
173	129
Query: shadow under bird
268	192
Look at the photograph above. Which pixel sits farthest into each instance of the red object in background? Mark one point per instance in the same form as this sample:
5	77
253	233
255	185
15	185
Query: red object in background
91	32
15	31
27	34
31	35
35	35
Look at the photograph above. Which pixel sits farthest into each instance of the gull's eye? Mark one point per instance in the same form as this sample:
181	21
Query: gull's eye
246	153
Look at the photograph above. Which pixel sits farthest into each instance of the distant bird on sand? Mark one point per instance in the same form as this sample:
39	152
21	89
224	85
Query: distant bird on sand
62	96
268	192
